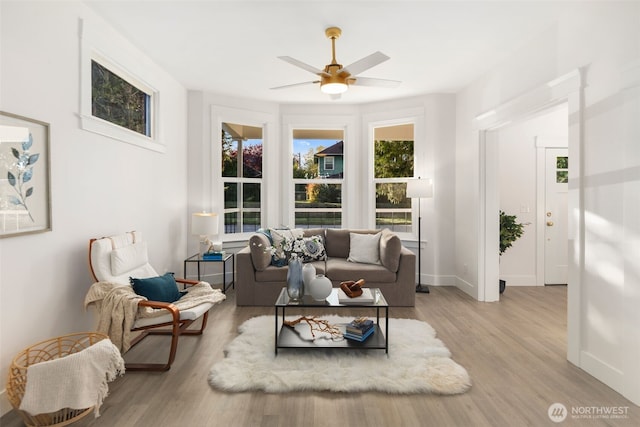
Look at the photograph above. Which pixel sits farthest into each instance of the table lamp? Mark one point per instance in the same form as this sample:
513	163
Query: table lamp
205	224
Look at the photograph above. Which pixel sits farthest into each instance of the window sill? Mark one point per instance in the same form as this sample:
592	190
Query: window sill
102	127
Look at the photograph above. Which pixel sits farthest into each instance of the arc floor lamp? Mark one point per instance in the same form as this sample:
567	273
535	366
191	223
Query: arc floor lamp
420	189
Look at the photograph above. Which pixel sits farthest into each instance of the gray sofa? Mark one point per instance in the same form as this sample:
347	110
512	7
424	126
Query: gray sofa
258	281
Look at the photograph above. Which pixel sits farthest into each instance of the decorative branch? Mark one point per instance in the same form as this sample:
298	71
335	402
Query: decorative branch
316	325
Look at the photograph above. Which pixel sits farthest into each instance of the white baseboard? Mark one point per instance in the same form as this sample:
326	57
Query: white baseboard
438	280
604	372
520	280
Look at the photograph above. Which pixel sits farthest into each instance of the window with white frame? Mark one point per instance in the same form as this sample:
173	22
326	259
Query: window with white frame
393	166
242	176
118	101
318	173
119	88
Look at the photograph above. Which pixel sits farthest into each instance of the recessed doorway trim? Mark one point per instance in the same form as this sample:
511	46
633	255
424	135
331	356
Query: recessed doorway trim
566	88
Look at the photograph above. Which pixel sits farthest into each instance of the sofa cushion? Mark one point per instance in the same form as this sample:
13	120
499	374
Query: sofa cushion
279	274
260	255
338	242
390	248
364	248
339	270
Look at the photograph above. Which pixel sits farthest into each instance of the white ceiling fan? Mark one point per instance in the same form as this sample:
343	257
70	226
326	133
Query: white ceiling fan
336	79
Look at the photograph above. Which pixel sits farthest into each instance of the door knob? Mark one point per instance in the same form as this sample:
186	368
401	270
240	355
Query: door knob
550	223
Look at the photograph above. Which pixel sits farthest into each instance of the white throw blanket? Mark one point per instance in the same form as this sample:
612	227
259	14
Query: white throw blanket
118	309
76	381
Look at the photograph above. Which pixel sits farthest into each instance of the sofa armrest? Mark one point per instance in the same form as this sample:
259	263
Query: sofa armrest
407	268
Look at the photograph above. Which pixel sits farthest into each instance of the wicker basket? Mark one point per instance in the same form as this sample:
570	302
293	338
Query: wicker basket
50	349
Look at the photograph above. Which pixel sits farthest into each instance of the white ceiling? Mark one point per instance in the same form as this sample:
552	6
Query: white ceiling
231	47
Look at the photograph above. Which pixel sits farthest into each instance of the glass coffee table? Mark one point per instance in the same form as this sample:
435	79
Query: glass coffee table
286	337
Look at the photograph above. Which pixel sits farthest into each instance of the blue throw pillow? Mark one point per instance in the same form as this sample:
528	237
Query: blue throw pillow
162	288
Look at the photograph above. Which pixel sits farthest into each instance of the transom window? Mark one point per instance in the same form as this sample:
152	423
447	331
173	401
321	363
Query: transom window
393	159
242	177
119	102
318	173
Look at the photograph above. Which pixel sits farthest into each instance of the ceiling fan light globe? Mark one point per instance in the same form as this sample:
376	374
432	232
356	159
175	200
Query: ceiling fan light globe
334	88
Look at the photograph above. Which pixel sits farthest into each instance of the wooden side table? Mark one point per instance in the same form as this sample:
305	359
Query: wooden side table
226	258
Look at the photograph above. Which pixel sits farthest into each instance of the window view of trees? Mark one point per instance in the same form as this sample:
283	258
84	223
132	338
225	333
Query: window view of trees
393	166
318	170
242	174
119	102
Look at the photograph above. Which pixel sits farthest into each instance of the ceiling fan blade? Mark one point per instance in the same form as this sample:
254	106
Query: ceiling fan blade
366	63
304	66
295	84
368	81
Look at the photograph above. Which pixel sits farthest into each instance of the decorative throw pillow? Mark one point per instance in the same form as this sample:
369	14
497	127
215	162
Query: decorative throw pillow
162	288
364	248
282	242
310	248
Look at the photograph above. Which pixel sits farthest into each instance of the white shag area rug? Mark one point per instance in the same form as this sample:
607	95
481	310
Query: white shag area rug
417	362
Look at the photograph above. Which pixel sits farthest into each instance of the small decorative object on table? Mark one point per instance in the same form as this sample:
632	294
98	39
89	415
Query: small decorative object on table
295	284
321	287
351	288
214	255
359	329
308	274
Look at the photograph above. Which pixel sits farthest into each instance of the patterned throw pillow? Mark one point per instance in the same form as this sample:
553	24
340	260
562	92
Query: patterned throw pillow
282	244
310	248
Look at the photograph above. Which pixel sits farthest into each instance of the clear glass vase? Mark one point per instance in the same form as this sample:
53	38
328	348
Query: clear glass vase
295	283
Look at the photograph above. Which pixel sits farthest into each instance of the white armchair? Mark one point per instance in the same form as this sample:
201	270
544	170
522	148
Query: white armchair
114	261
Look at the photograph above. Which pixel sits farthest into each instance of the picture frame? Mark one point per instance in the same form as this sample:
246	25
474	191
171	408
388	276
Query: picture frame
25	184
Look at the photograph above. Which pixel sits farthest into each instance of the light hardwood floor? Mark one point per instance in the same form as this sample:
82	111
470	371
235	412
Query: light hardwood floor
514	351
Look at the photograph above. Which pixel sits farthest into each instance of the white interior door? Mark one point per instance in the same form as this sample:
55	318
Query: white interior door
556	216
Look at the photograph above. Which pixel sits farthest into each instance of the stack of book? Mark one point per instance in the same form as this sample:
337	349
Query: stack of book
359	329
219	255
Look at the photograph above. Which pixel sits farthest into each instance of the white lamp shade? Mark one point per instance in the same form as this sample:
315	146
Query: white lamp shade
419	188
204	224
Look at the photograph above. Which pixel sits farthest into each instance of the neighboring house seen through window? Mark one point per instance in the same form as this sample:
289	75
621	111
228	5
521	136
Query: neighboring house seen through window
318	177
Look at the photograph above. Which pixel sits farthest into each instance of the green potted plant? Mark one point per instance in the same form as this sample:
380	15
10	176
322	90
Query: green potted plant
510	231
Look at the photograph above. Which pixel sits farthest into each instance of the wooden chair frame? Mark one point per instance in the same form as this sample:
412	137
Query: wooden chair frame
177	326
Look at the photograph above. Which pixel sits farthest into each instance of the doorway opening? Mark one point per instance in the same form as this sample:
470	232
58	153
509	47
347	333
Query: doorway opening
532	184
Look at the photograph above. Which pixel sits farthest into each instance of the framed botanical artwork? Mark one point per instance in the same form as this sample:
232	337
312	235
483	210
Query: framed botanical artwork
25	194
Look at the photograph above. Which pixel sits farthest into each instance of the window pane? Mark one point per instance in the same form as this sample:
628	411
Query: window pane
318	205
119	102
393	159
241	144
318	153
231	221
562	162
562	177
252	159
230	195
229	156
393	208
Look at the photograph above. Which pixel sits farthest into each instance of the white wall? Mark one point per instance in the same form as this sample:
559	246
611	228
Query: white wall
604	37
518	179
100	186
